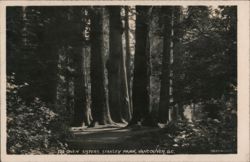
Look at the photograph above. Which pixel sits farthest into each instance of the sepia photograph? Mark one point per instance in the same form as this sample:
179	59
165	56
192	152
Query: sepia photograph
122	80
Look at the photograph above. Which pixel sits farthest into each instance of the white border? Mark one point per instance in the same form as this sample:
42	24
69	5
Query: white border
243	88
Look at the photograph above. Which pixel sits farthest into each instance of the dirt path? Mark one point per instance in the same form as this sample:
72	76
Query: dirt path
107	137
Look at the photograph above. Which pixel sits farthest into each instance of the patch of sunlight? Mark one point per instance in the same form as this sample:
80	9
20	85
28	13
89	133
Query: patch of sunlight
188	113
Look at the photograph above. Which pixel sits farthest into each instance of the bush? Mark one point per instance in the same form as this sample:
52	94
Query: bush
32	128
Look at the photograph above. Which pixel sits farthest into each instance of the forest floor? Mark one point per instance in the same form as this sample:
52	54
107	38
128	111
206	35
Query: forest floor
171	139
111	137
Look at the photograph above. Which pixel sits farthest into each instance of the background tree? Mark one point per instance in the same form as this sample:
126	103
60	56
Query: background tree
201	68
177	35
29	54
35	74
165	76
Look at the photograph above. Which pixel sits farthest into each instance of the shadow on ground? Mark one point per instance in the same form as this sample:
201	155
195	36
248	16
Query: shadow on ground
108	137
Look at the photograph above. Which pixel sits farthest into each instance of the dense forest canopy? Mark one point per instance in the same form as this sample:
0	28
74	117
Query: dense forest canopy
70	66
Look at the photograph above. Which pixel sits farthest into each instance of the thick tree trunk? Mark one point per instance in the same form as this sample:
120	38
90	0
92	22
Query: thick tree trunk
80	97
113	64
125	67
141	81
128	53
165	79
100	107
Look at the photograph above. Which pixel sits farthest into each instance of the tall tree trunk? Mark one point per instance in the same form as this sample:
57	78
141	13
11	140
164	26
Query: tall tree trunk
113	64
176	40
100	107
141	81
165	79
125	101
87	112
80	97
53	47
79	92
68	86
125	67
128	53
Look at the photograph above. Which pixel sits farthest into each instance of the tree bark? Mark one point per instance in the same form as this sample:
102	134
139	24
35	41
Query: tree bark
80	97
87	112
128	53
125	67
165	79
141	81
79	89
100	107
125	101
176	41
68	80
53	46
113	64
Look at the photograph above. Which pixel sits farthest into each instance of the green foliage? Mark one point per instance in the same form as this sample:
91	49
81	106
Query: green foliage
32	128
